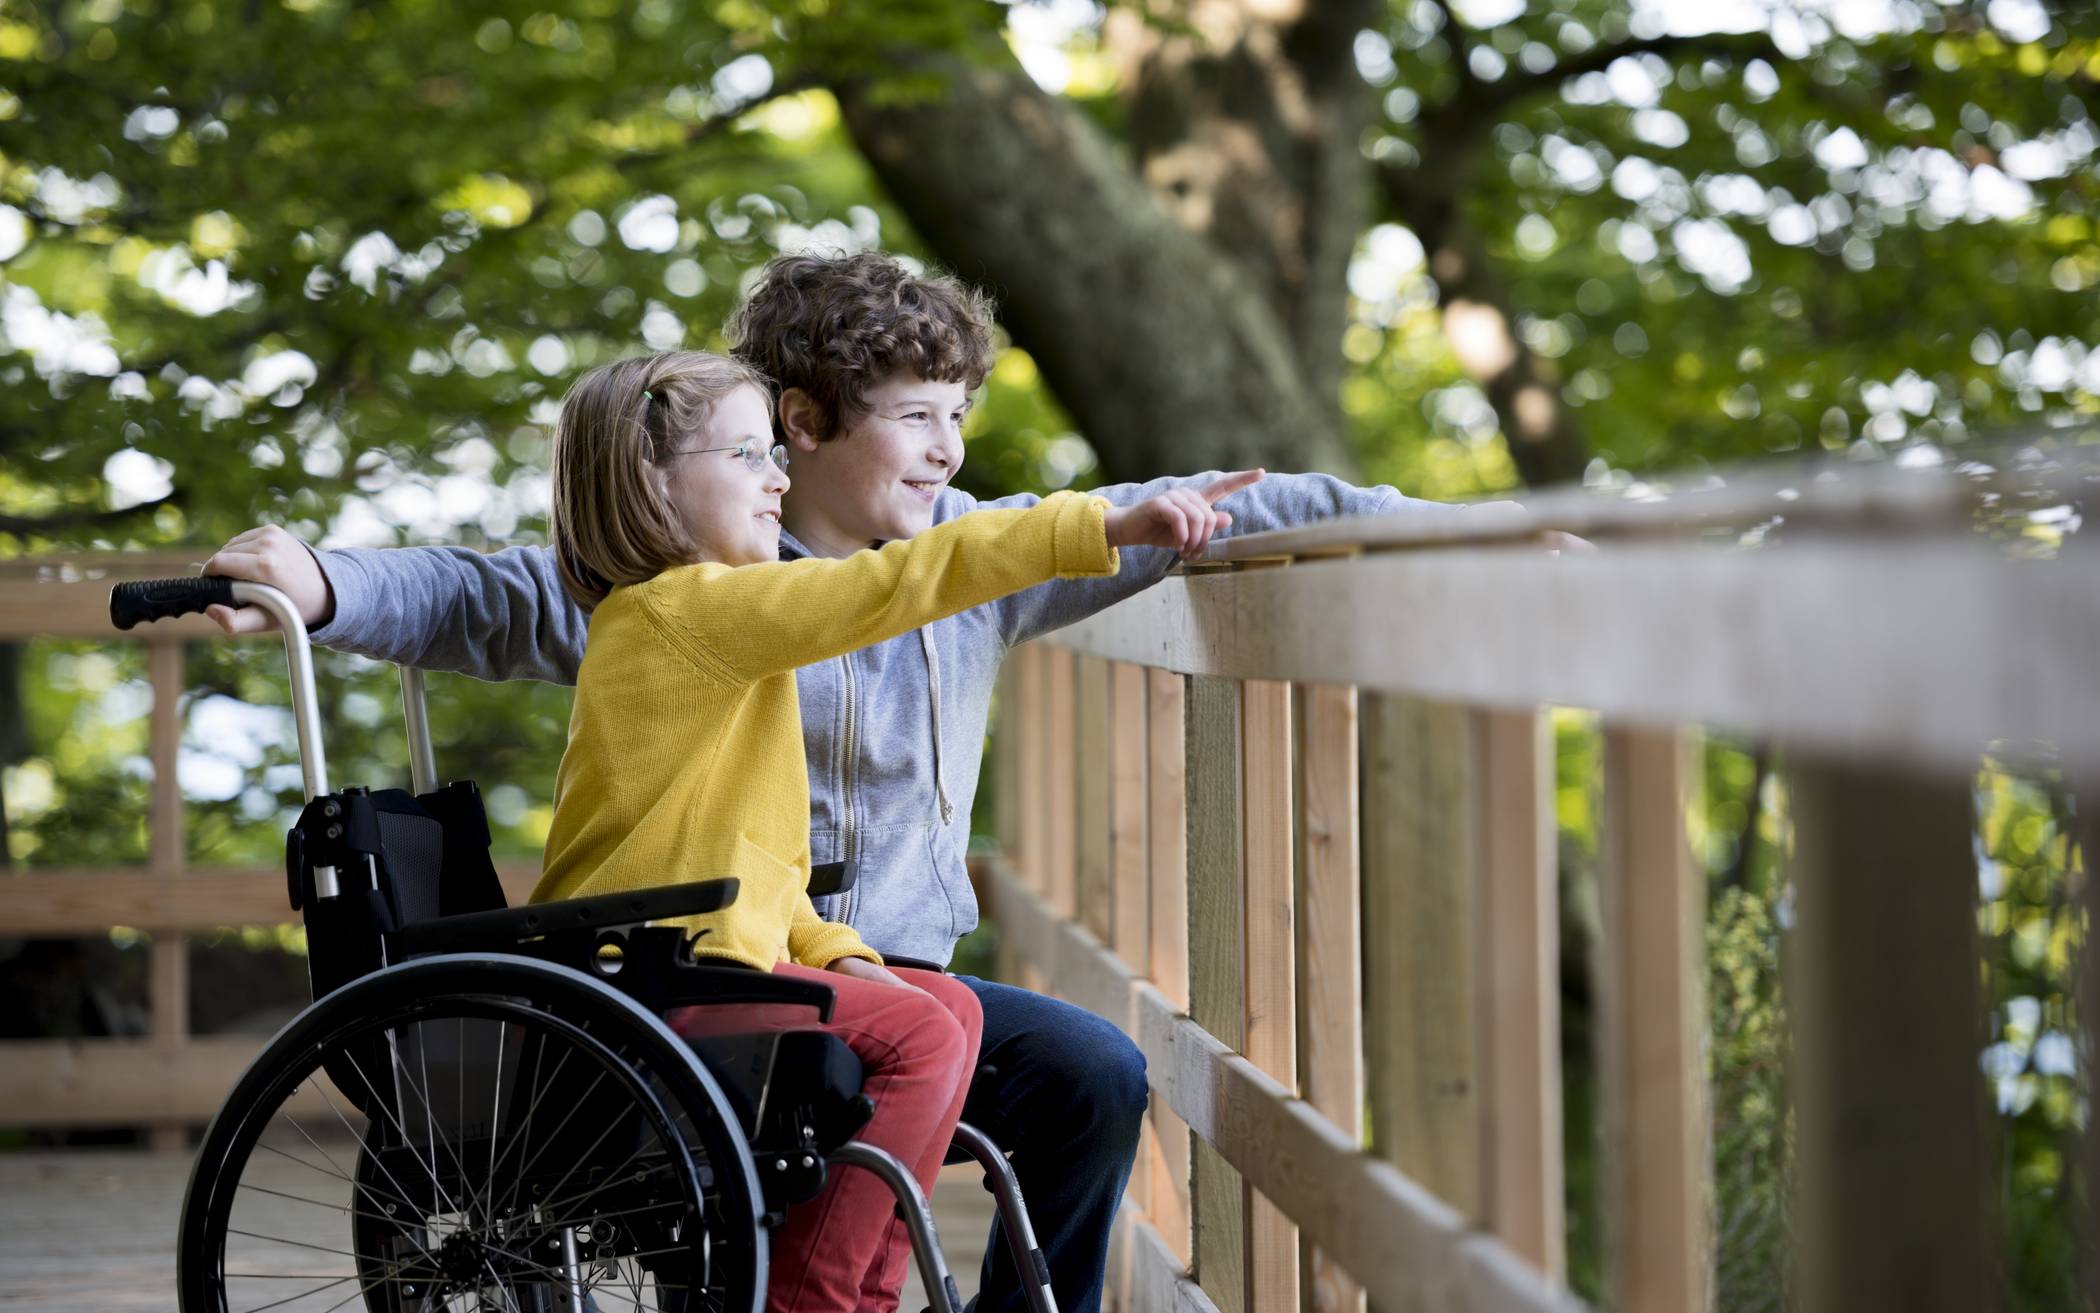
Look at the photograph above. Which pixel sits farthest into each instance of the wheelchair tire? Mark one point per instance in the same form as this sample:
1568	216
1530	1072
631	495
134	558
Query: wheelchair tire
528	1123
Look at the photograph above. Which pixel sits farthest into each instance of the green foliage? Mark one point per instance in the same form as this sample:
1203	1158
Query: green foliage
2034	931
1851	228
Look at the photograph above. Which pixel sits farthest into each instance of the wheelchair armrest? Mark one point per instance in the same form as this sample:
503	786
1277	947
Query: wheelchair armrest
914	964
702	983
511	925
827	878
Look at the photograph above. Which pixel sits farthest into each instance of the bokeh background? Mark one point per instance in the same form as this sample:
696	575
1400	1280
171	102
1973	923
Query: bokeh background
331	265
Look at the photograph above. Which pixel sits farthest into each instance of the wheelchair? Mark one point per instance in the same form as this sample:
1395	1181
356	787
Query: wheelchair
483	1108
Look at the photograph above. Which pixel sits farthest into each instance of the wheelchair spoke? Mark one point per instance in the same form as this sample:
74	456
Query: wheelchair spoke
321	1203
430	1167
524	1134
553	1136
330	1281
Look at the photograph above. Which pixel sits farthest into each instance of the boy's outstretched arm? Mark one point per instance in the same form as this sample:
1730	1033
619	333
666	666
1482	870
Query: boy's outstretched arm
502	615
1280	501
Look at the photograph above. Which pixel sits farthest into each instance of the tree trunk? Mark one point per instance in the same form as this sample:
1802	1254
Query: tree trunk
1169	357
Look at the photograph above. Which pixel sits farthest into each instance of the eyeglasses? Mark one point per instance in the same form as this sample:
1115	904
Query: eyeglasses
755	453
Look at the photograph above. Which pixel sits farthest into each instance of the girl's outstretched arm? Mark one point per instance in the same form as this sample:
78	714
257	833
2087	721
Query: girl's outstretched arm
742	623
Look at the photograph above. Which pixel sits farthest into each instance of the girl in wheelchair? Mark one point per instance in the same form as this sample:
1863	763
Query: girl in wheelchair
685	757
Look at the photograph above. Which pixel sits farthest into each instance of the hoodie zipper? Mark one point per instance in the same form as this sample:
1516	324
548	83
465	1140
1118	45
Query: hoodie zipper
849	779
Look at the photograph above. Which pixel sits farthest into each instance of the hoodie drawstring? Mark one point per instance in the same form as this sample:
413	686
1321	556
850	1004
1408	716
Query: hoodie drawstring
933	688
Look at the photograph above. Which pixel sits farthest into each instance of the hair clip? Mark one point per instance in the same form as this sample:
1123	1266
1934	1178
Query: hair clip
647	396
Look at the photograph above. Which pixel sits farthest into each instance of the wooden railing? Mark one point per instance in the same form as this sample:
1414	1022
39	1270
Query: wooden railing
1293	829
167	1080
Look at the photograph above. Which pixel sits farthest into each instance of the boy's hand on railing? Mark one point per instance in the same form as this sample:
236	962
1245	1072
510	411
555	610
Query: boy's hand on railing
269	555
1555	541
1181	518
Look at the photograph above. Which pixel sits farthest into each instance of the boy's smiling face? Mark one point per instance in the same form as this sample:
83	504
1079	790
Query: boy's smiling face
875	481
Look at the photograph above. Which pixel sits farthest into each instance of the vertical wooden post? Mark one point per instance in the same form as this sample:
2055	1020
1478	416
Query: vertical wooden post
1888	1020
1656	1160
1330	943
1090	750
1216	915
1129	836
1269	955
1519	975
1060	808
1419	1030
1166	844
170	998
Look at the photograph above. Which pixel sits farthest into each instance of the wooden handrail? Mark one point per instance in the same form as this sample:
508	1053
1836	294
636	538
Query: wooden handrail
1188	855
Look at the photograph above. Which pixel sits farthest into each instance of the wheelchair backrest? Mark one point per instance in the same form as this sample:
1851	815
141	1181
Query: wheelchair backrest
399	859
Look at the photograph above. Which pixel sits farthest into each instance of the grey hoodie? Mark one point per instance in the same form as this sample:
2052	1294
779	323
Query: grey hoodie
894	733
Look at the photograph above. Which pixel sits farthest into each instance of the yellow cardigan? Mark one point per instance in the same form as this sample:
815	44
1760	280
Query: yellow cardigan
685	756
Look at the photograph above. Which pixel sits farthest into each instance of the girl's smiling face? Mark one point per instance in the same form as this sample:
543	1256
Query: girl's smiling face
732	507
875	481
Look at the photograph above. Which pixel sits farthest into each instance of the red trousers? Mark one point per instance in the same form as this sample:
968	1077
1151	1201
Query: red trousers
846	1250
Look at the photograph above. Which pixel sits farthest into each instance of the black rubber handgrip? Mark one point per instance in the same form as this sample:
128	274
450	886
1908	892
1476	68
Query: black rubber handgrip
158	599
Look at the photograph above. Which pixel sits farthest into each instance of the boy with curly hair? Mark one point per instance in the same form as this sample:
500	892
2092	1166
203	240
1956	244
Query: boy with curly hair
875	364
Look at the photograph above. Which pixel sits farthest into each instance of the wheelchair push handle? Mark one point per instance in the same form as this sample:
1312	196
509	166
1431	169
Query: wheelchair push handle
131	604
163	599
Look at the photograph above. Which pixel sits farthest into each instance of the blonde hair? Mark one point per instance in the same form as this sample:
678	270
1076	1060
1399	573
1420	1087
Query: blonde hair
611	516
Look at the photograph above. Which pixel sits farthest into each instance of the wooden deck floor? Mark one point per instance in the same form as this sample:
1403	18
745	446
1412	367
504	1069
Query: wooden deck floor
95	1230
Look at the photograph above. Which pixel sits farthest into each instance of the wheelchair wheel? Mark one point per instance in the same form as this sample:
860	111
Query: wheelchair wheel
474	1133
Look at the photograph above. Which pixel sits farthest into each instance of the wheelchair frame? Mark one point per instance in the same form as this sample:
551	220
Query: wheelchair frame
552	951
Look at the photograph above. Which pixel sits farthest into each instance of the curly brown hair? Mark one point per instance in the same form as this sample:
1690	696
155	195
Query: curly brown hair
836	325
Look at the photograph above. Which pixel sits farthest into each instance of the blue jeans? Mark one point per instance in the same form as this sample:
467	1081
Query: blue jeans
1063	1092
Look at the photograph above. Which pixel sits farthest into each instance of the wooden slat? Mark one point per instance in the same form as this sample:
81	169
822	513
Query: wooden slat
121	1082
1884	496
1519	989
1419	1027
1858	647
1129	878
1157	1278
1090	755
1166	843
31	608
1216	979
1060	803
69	902
1330	947
1129	837
1652	1018
1270	958
1885	1005
1410	1250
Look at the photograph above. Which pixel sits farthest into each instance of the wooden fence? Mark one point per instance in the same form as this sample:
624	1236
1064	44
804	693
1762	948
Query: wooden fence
1293	829
168	1080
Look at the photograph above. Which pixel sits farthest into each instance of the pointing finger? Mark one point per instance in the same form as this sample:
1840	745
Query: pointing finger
1228	484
